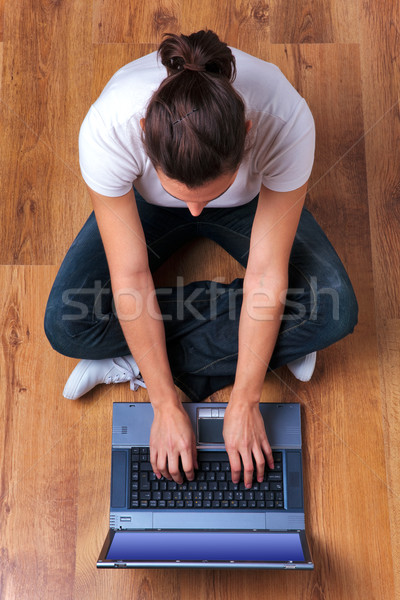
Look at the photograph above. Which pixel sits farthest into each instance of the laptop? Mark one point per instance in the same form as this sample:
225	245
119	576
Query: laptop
209	522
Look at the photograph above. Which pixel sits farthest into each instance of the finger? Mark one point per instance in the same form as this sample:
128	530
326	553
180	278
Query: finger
187	463
236	466
260	463
162	466
194	454
248	468
268	453
173	468
153	462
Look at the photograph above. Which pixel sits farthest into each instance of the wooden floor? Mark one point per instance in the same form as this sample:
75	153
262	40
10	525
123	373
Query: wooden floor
343	57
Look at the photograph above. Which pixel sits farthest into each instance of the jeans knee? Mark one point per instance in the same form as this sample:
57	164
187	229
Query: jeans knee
338	304
55	332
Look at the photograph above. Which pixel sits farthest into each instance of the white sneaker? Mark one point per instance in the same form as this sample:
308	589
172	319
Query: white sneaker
303	367
89	373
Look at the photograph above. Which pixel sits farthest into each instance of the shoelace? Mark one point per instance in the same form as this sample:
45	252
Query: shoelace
136	381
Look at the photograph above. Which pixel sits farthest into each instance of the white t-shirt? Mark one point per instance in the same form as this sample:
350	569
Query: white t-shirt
281	141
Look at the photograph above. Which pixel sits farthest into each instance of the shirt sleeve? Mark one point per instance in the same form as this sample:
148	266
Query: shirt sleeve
288	163
106	157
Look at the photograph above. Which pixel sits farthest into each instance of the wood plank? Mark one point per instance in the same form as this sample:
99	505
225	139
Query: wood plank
2	2
144	21
45	95
380	63
390	384
380	80
313	21
39	441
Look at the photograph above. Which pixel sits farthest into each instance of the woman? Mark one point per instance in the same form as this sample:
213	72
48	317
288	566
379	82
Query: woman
216	143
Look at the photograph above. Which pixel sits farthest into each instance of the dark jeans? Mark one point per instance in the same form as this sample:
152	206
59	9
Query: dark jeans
201	319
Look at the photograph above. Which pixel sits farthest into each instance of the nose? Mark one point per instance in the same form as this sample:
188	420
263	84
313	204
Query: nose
195	208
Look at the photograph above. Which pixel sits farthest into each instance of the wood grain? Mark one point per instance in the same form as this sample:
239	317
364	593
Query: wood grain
144	21
44	98
39	456
380	63
313	21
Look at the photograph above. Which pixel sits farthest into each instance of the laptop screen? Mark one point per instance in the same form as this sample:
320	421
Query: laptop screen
205	545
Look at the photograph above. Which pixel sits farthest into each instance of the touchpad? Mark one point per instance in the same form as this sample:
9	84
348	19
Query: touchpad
210	431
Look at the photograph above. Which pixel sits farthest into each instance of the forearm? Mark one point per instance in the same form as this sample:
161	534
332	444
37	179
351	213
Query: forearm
260	320
141	322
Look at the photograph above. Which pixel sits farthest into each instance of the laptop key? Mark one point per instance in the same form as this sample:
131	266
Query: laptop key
274	476
216	504
146	466
275	486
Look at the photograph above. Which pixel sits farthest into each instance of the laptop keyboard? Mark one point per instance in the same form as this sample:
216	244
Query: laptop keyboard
211	488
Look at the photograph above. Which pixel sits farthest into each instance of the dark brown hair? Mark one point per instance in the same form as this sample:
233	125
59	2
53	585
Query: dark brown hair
195	122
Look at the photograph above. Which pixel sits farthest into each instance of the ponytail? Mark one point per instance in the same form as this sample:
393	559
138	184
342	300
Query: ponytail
195	122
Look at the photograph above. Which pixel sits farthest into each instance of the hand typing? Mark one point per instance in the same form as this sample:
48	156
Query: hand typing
245	438
172	437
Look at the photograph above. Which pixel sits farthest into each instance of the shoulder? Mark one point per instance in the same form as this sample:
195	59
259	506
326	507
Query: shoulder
129	90
265	89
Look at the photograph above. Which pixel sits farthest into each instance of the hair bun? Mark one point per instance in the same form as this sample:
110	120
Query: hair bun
192	67
199	52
